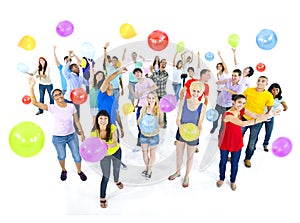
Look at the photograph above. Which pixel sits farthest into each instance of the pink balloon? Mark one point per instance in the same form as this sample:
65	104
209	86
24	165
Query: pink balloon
168	103
282	146
93	149
64	28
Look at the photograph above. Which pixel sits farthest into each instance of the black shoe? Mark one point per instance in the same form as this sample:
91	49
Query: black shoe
266	149
212	131
82	176
63	175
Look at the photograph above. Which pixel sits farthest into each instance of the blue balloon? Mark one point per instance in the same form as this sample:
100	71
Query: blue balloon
149	124
22	67
212	115
266	39
87	50
209	56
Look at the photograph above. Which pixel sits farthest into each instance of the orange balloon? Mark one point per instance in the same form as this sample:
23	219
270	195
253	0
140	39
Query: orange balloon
27	43
127	31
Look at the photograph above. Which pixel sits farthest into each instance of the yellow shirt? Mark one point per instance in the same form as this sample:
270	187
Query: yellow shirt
111	150
256	101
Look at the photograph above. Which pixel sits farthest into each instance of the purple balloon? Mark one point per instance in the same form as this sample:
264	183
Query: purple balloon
282	146
168	103
64	28
93	149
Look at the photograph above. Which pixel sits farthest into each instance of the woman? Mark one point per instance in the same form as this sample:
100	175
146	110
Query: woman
108	133
64	115
177	72
231	139
43	74
156	63
150	141
190	110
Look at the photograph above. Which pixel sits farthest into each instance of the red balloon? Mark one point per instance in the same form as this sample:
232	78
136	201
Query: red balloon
26	99
158	40
78	96
260	67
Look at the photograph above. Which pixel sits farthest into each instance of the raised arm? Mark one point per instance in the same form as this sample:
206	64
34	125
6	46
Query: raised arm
105	54
92	73
32	82
174	58
234	56
55	57
223	62
198	64
107	81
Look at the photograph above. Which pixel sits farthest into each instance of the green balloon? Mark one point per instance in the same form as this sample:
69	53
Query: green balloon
233	40
180	47
26	139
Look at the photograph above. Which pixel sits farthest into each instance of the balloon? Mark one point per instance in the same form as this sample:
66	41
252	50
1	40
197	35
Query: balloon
119	64
212	115
93	149
78	96
167	103
148	124
64	28
189	132
87	50
83	63
209	56
127	31
26	99
158	40
127	108
260	67
27	43
233	40
266	39
26	139
281	147
180	47
22	67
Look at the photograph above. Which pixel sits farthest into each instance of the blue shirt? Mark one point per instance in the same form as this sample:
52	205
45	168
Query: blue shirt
62	78
116	81
108	103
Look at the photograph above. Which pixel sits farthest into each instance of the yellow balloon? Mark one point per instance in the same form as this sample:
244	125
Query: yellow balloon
27	43
119	64
83	63
127	108
127	31
189	132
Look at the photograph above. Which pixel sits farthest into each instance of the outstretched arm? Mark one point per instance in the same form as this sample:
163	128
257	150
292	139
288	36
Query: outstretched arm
234	56
223	62
106	82
55	57
40	105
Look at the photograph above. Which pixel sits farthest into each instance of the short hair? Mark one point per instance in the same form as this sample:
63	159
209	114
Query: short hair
251	72
237	71
137	69
197	85
191	68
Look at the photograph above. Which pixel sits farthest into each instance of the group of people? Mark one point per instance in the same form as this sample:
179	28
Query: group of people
240	106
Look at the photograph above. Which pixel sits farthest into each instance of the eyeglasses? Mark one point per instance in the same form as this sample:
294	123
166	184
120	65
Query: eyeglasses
198	91
58	95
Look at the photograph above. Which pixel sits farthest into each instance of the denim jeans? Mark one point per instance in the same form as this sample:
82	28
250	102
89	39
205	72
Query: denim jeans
176	88
235	158
138	112
42	89
105	165
221	110
116	93
254	131
268	131
60	143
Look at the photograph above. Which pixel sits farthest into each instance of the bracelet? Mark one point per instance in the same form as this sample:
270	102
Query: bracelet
32	96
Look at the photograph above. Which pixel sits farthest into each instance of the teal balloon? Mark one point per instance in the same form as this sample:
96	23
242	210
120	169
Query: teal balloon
266	39
149	124
87	50
22	67
209	56
212	115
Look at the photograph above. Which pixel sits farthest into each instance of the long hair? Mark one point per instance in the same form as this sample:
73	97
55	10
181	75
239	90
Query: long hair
156	106
97	126
42	69
275	85
98	84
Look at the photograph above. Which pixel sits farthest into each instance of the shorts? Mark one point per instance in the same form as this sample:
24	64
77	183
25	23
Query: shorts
190	143
152	140
93	111
130	95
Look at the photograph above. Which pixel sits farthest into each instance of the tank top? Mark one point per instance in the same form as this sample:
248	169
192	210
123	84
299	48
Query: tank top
189	116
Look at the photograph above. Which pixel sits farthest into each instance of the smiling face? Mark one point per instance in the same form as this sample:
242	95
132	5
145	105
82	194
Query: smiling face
239	104
102	120
58	96
261	83
197	89
151	99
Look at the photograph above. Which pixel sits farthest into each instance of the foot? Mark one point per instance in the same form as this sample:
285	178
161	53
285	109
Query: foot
212	131
144	173
123	166
266	149
136	149
233	186
38	113
82	176
196	150
63	175
220	183
173	176
103	203
247	163
120	185
185	182
148	175
165	126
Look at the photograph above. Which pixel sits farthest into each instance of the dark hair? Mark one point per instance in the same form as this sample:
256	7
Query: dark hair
262	76
40	68
191	68
223	68
114	57
237	71
179	61
57	89
235	97
137	69
98	84
275	85
251	72
66	57
154	62
97	126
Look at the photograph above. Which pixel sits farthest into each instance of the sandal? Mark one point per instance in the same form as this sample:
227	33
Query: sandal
233	186
103	204
185	182
120	185
220	183
173	176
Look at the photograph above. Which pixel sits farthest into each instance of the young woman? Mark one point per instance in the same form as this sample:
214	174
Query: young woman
231	139
108	133
150	141
64	114
190	110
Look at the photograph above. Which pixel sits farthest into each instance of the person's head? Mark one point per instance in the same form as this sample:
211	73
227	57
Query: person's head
248	71
238	101
179	64
220	67
236	75
74	68
137	72
191	71
152	101
261	83
57	95
103	122
275	90
163	63
114	61
42	64
197	89
133	56
188	59
205	75
98	79
66	59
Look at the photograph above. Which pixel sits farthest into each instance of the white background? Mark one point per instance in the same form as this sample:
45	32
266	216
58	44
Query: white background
31	189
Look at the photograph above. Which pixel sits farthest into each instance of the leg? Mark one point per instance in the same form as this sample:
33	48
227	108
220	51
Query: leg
42	89
235	158
189	163
215	123
116	161
179	159
145	156
254	131
49	89
269	129
105	164
59	143
222	163
152	158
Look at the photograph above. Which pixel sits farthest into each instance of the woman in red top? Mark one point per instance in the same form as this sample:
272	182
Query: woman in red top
231	139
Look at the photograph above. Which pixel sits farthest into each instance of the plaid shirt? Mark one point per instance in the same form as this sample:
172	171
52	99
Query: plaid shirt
160	78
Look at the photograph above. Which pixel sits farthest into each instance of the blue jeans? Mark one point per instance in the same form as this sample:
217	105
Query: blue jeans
235	158
254	131
138	112
176	88
268	131
105	165
42	89
60	143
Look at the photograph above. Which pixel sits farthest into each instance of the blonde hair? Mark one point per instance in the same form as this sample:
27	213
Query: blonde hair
156	106
197	85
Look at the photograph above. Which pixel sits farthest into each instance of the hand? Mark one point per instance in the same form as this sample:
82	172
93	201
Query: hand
31	81
82	137
122	133
106	44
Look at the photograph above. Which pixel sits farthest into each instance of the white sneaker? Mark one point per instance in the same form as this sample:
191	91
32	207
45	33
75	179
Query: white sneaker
136	149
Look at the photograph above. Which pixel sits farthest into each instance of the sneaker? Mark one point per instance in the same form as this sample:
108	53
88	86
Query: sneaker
136	149
247	163
123	166
144	173
165	126
212	131
82	176
266	149
148	175
63	175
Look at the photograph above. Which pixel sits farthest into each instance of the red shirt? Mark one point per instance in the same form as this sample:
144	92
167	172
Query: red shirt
231	138
188	92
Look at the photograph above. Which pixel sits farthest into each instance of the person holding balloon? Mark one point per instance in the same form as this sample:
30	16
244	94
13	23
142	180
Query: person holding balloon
150	120
106	131
191	112
64	114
